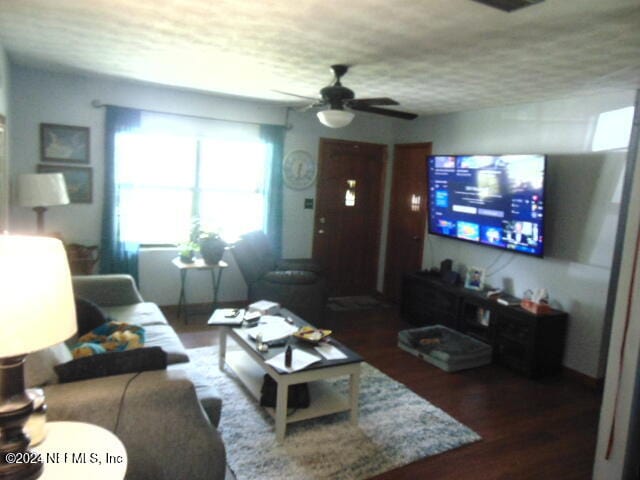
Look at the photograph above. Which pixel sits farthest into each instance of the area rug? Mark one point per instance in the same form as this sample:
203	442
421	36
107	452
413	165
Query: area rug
350	304
396	427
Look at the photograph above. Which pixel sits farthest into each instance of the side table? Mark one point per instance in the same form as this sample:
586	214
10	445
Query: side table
199	264
81	450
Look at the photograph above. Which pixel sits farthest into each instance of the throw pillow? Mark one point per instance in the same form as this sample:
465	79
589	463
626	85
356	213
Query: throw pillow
88	315
39	366
112	363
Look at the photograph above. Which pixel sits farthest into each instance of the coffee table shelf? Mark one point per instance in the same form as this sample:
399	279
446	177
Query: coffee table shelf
250	366
324	399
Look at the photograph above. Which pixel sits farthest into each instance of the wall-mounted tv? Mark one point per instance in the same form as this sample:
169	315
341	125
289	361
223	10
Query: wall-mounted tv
493	200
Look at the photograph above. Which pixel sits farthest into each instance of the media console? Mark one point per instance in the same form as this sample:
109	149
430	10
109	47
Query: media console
530	344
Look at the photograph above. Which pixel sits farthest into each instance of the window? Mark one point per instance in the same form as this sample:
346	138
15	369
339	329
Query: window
165	181
613	130
232	187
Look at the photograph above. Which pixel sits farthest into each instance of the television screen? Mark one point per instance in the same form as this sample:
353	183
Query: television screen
493	200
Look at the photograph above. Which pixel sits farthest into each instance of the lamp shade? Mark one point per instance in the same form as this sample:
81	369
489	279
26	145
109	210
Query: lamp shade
37	307
42	190
335	118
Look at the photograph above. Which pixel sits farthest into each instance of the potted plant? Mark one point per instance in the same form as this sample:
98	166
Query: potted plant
190	248
211	247
188	251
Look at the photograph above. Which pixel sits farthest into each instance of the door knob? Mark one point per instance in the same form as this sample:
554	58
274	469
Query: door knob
416	238
320	232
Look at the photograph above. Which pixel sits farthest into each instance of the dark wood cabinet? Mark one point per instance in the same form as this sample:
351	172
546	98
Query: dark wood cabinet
529	344
426	304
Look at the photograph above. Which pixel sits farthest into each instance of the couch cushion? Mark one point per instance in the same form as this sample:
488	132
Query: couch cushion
143	314
38	369
304	264
164	336
207	393
291	277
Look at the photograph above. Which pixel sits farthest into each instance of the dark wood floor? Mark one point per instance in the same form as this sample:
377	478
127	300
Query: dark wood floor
530	429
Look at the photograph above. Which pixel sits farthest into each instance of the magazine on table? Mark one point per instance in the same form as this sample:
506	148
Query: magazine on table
272	328
299	361
227	316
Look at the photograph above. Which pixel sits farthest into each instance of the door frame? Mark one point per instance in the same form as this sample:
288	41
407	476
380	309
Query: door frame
322	142
396	147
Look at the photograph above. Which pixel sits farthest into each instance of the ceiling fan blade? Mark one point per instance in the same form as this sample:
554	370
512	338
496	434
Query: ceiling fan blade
315	99
308	107
384	111
373	101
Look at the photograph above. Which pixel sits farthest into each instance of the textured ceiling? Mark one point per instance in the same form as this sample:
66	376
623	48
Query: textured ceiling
431	55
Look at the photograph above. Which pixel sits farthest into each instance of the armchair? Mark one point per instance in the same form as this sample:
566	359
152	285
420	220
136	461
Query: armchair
296	284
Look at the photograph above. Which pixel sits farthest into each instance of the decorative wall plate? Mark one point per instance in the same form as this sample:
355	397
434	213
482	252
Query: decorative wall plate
299	170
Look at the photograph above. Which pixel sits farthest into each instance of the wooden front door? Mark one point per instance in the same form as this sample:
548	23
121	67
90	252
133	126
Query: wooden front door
348	214
407	215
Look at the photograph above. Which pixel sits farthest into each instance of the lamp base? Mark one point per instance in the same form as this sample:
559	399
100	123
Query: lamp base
20	471
16	461
40	219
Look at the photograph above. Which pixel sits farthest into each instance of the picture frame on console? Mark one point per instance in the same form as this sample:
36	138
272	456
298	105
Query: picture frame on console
474	279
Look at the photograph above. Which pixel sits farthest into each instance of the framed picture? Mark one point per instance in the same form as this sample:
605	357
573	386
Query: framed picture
475	278
79	181
64	143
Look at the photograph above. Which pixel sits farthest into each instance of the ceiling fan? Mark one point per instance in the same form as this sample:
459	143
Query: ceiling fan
338	97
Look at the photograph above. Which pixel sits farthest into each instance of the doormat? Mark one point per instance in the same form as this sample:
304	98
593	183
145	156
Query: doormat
396	427
349	304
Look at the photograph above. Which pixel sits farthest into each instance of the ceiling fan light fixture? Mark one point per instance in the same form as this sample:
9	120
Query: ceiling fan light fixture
335	118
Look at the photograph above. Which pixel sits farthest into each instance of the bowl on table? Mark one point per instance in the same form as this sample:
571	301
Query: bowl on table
312	335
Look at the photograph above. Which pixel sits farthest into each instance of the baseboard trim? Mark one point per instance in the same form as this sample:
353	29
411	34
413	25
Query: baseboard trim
586	380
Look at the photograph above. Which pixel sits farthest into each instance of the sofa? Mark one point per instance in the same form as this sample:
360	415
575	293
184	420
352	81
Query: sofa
165	418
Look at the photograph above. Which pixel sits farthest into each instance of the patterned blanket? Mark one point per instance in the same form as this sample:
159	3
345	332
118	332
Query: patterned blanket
109	337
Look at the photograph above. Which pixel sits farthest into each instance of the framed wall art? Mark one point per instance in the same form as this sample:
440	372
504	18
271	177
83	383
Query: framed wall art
79	181
64	143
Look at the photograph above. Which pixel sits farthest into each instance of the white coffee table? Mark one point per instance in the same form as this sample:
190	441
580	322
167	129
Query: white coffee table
249	365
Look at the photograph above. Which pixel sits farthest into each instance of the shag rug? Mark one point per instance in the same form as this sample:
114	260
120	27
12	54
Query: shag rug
396	427
350	304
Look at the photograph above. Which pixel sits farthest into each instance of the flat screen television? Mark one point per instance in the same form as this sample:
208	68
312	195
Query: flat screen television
492	200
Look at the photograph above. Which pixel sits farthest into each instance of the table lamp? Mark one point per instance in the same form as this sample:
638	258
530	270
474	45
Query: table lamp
37	310
42	190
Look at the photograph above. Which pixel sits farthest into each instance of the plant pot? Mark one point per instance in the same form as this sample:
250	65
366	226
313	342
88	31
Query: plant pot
186	257
212	250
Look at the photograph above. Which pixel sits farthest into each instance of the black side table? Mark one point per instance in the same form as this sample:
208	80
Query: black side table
199	264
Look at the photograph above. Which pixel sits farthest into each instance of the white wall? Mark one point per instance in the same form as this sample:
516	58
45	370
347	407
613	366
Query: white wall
582	206
620	381
41	96
582	188
4	165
